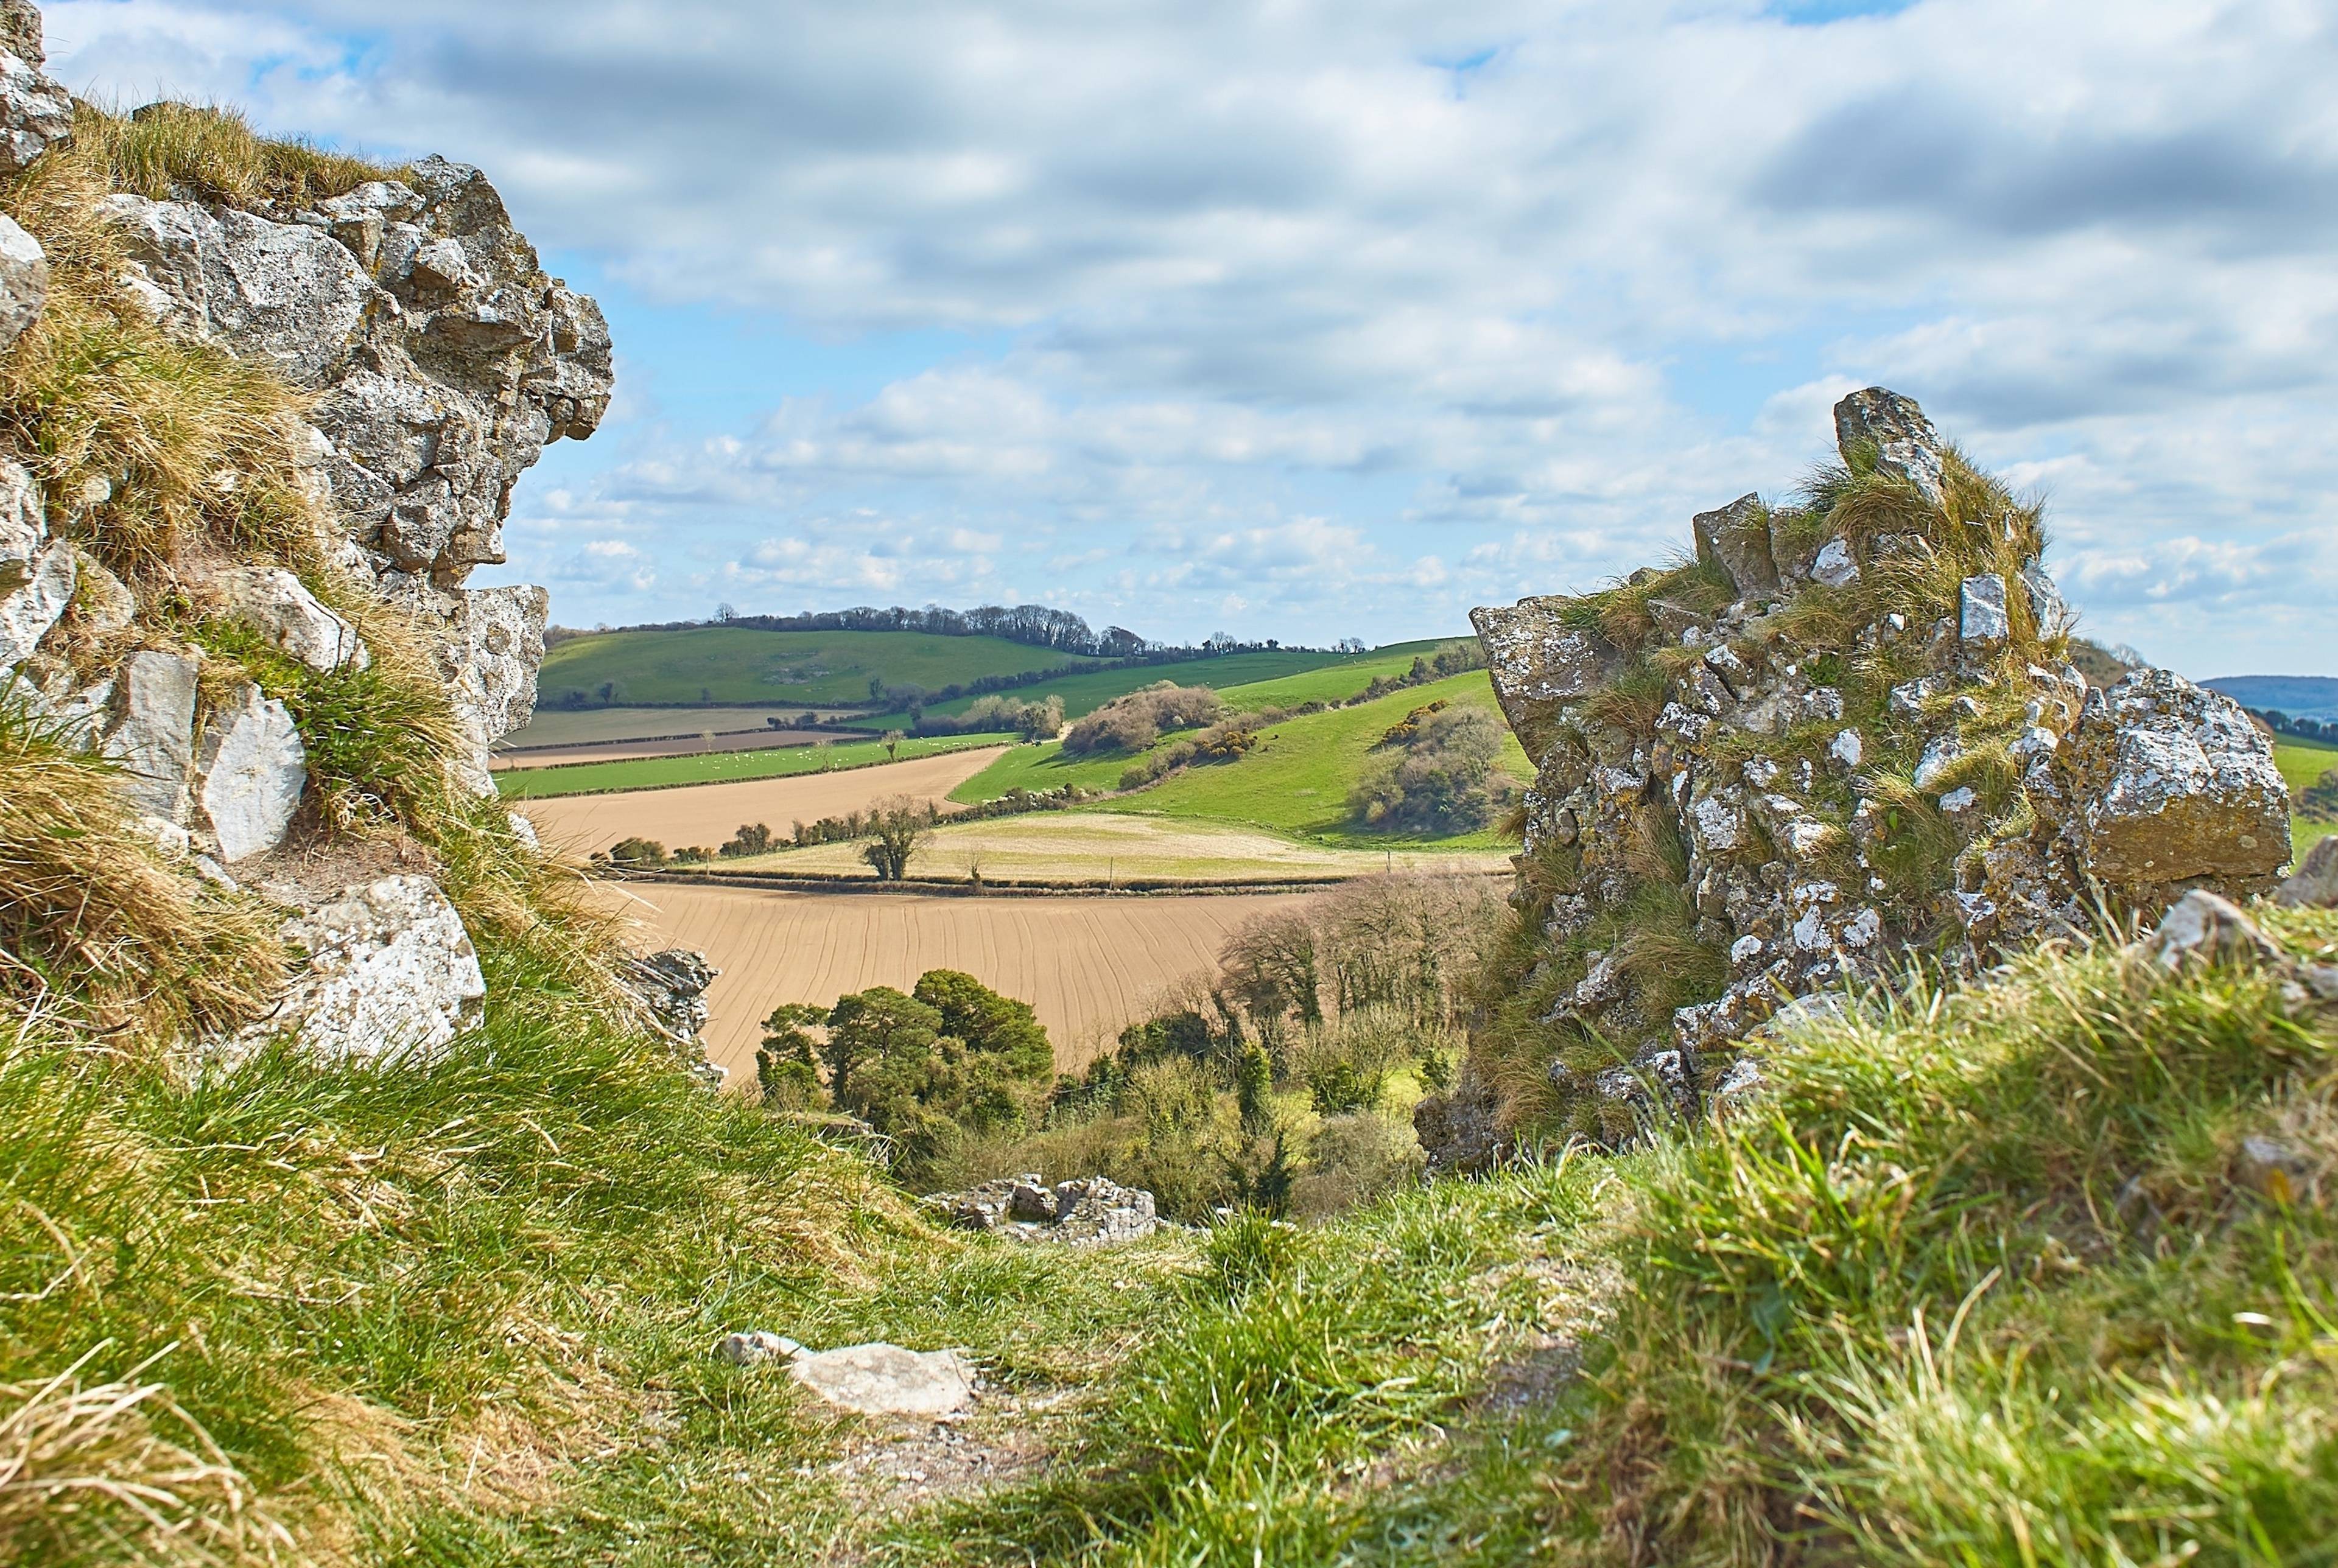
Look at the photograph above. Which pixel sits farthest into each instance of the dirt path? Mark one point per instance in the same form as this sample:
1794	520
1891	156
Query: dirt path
708	814
1090	966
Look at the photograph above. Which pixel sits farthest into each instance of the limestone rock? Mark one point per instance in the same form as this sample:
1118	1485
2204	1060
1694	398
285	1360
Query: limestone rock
275	603
1539	663
391	975
886	1381
250	774
755	1346
1895	430
1982	618
491	647
2314	883
151	734
23	280
2174	784
671	987
1085	1213
1736	538
37	573
35	110
280	293
20	31
2203	928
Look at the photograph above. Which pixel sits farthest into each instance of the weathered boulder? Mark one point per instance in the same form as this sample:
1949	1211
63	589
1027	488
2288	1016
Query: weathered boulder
35	110
1083	1213
20	31
2173	784
1736	538
2314	883
276	604
249	773
23	280
886	1381
671	988
1539	663
1899	438
391	975
37	573
151	732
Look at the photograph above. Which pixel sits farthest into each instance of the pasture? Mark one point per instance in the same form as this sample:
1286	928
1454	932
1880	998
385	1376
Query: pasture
1089	965
722	766
736	664
708	814
587	726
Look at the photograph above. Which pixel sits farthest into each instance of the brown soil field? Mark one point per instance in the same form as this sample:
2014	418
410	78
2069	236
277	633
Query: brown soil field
708	814
1090	966
692	746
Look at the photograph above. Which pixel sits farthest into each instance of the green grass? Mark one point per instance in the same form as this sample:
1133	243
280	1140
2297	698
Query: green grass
1978	1280
730	664
717	766
1251	680
2304	762
1296	782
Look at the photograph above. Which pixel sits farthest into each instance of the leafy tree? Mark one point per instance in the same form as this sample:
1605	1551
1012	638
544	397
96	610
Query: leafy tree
899	827
988	1024
637	852
752	838
787	1062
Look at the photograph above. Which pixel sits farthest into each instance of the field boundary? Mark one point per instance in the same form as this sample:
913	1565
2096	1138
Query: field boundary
1000	887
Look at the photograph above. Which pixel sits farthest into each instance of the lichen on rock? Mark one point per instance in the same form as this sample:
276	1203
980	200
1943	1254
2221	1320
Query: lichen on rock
1848	736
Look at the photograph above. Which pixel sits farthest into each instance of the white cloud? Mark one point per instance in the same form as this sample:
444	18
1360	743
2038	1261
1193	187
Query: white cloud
1270	282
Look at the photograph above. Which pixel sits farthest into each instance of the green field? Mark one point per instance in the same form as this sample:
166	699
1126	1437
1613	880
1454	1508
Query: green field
1296	782
1320	677
715	767
718	664
2304	762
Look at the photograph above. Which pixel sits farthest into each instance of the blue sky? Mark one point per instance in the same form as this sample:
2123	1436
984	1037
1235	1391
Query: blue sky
1322	319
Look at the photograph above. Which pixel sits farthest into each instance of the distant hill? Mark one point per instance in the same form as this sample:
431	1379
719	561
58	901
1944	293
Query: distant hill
2298	696
740	665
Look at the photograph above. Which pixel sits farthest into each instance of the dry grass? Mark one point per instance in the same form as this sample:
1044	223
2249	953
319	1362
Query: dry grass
92	922
165	150
86	1473
142	441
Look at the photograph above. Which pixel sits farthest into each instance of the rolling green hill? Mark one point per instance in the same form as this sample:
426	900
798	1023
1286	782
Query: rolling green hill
1279	678
735	664
1296	782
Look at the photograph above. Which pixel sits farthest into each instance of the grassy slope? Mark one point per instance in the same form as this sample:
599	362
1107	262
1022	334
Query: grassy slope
2304	762
718	767
1272	677
1972	1283
735	664
1296	782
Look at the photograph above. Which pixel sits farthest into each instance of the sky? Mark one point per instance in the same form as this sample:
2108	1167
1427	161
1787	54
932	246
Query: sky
1320	319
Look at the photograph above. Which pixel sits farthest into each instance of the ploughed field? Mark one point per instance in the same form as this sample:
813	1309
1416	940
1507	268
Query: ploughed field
708	814
1089	964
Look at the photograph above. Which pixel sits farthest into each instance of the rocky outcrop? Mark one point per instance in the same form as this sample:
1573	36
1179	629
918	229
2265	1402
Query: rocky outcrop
443	359
37	571
1849	734
1084	1213
670	988
278	606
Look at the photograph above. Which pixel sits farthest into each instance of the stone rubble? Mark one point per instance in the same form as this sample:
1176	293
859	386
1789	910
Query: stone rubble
2314	883
250	773
1091	1212
1804	801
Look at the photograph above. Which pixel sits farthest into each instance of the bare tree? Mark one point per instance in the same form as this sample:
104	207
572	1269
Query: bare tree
893	738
